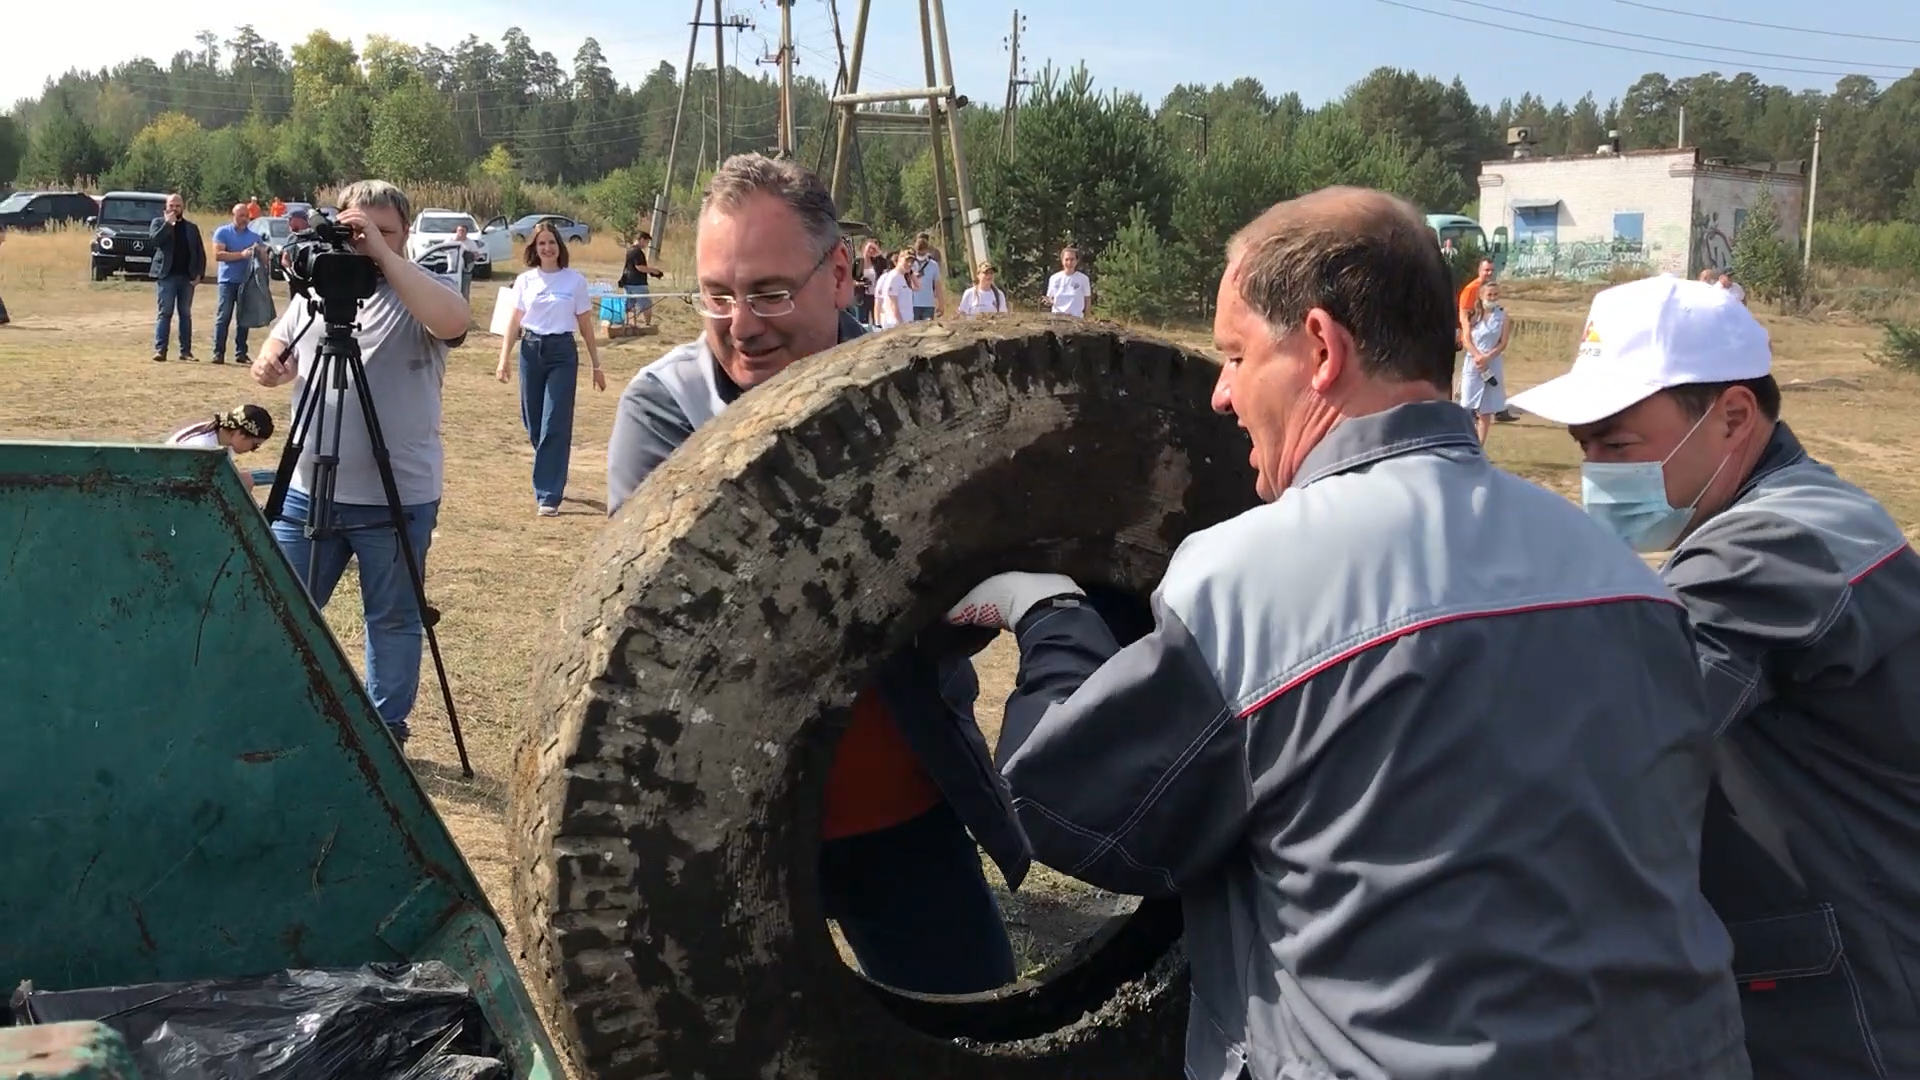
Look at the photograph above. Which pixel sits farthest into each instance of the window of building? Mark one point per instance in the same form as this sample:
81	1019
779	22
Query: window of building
1536	223
1631	228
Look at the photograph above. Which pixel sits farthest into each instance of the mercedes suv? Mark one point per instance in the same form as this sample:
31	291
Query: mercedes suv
123	233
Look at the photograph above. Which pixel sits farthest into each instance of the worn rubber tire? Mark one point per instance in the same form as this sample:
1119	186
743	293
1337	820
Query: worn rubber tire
666	793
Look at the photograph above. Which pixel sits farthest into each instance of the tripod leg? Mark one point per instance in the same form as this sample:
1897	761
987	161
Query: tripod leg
383	462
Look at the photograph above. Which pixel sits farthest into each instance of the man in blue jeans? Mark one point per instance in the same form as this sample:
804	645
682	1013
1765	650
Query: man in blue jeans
179	262
404	331
235	246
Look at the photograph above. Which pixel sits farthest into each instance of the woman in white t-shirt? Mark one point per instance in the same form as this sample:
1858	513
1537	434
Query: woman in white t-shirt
240	431
550	302
893	293
1068	291
984	298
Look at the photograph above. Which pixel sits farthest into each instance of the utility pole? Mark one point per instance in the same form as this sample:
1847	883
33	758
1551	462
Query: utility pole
719	83
943	219
785	58
943	103
1813	189
721	24
1009	116
843	138
686	80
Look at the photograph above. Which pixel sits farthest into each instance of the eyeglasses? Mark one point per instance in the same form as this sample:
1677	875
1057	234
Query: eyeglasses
766	305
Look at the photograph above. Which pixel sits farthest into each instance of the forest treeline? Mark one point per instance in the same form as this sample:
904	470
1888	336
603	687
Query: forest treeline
519	130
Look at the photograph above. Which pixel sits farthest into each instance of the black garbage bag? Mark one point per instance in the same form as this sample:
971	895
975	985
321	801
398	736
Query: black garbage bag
377	1022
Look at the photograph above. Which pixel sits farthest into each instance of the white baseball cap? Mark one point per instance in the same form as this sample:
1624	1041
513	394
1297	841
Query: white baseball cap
1646	336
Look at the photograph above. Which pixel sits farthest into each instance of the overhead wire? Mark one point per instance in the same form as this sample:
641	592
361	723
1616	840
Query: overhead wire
1901	68
1455	17
1766	25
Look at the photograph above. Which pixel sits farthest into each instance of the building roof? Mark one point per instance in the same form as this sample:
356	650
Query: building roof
1783	171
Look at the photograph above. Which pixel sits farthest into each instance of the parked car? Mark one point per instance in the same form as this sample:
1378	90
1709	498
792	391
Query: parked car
123	233
32	210
435	226
573	232
276	230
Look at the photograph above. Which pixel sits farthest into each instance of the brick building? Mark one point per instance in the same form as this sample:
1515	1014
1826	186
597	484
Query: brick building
1663	210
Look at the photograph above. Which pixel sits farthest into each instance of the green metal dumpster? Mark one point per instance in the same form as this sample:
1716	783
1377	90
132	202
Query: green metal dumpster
195	784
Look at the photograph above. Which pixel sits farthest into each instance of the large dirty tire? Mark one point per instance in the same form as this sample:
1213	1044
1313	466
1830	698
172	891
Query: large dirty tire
667	792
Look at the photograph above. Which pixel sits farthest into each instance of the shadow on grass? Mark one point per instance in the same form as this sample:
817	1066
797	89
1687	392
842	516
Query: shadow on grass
485	793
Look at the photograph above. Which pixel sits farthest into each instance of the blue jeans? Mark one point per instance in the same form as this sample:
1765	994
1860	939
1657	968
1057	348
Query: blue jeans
914	905
549	376
223	316
394	630
174	294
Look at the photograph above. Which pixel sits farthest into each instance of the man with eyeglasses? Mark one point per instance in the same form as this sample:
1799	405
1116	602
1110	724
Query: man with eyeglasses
912	776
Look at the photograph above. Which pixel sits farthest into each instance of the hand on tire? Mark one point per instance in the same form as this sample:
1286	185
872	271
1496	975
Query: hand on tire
1001	601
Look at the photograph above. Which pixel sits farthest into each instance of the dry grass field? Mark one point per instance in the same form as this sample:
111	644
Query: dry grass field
76	364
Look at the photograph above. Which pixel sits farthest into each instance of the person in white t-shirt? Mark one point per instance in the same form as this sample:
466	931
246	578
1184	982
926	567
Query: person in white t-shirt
984	297
1732	286
550	302
239	431
893	293
1068	291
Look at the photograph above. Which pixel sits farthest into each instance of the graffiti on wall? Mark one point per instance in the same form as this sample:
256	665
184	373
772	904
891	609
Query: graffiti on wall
1712	243
1579	260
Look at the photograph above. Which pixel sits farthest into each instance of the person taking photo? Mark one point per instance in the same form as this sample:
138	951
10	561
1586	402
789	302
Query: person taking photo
404	332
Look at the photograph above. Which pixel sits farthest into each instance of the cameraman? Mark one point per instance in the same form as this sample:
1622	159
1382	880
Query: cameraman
404	331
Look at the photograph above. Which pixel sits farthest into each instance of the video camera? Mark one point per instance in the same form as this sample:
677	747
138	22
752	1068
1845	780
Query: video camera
321	262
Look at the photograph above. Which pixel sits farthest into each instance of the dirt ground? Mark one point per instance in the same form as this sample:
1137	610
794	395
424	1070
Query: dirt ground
76	365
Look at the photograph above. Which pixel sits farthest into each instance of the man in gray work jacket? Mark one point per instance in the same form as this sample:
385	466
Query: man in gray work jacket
909	895
1805	600
1420	747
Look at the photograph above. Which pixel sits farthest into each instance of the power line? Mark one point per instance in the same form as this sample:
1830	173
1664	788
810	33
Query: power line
1448	15
1901	68
1769	26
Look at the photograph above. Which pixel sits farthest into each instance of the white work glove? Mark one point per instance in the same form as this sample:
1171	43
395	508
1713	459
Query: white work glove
1001	601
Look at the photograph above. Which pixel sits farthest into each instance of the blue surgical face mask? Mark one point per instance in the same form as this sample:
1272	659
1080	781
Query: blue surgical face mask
1630	499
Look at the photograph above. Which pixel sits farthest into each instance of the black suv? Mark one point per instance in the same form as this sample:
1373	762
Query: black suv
123	233
31	210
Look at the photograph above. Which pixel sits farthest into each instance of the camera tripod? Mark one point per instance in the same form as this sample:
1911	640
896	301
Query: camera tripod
338	363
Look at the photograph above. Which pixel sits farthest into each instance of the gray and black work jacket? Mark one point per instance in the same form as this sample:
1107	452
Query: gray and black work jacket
1805	600
1423	750
931	700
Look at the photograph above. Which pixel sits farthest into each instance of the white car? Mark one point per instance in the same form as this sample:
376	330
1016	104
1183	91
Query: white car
435	226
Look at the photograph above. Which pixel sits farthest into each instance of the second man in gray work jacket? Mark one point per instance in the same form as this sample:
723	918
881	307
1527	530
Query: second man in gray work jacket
1420	747
1805	600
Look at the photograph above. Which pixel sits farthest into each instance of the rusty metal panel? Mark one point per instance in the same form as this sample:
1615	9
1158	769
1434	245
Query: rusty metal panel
196	783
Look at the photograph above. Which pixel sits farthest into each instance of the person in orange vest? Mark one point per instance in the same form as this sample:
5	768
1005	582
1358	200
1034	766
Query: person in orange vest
253	209
278	209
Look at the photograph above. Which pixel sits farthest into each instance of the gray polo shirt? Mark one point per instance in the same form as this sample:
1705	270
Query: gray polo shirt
405	366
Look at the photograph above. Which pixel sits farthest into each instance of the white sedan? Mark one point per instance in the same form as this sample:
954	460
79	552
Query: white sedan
490	244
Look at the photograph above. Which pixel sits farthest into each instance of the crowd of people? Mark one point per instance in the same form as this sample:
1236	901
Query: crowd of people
905	287
1450	782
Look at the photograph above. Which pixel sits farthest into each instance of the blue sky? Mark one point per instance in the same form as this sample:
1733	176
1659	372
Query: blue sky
1314	48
